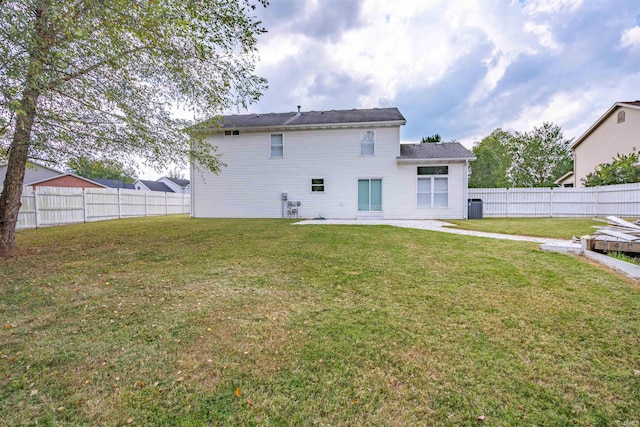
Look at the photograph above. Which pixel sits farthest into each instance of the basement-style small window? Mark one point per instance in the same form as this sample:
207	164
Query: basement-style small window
620	116
317	185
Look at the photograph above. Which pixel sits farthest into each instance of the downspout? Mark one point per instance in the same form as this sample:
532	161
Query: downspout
465	193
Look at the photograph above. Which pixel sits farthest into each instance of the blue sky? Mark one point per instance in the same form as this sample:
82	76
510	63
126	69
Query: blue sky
457	68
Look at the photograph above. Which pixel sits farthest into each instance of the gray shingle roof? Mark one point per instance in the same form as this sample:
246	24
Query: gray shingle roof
115	183
180	182
446	150
312	118
156	186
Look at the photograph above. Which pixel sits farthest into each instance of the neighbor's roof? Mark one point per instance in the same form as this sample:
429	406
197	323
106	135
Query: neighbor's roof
115	183
629	104
303	119
435	151
180	182
156	186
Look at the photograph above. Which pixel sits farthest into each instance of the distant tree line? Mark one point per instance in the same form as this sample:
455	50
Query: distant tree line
513	159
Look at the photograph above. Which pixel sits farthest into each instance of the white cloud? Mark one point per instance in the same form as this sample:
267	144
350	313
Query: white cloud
631	38
535	7
543	34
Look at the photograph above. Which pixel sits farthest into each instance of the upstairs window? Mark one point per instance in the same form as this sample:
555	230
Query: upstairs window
277	145
367	143
620	116
231	132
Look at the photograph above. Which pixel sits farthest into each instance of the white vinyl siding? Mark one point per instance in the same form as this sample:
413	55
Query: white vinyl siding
276	145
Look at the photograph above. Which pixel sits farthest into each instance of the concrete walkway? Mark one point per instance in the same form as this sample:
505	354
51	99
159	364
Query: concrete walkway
440	226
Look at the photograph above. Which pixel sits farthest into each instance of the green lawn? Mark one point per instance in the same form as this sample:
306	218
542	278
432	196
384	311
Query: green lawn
178	321
557	228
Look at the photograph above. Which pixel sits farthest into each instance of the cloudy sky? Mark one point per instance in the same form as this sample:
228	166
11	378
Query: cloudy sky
457	68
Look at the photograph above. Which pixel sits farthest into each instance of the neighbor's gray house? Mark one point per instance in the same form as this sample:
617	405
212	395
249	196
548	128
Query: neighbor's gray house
617	131
335	164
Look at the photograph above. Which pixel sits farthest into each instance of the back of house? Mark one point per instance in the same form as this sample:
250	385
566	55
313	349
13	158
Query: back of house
338	164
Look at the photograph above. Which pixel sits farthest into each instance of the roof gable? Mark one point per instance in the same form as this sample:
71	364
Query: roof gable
156	186
42	182
605	116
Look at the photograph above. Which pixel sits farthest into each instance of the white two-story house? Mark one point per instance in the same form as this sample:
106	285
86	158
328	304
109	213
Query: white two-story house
345	164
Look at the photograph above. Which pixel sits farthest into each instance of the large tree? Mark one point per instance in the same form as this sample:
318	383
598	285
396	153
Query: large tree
102	169
91	76
540	157
493	160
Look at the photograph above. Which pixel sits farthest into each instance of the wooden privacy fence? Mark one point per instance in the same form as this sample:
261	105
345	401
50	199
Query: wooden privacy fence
620	200
44	206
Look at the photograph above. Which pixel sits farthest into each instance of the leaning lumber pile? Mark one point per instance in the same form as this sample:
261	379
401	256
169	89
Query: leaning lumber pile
617	236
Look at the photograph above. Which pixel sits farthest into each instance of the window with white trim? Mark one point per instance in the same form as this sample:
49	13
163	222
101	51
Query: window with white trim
276	147
433	186
367	143
317	185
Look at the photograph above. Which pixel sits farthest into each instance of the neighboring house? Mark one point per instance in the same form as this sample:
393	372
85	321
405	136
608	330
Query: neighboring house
37	175
178	185
333	164
115	183
33	173
145	185
565	180
66	180
616	132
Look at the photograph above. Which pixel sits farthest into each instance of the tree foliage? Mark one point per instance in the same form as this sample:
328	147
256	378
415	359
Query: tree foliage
102	169
540	157
432	138
493	160
624	169
86	76
513	159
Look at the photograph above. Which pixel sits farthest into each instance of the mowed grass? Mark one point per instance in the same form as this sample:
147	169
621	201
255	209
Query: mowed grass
179	321
555	228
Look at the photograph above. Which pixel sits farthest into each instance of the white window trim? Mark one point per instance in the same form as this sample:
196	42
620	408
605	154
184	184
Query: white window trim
360	143
324	185
432	192
270	146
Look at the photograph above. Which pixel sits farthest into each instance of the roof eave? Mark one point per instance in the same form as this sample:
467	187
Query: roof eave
311	126
435	160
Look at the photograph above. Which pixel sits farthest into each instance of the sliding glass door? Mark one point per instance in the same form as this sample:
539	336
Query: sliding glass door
370	195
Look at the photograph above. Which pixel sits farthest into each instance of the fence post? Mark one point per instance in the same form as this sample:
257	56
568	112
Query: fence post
119	205
145	203
597	190
507	204
84	204
551	202
183	203
166	204
35	204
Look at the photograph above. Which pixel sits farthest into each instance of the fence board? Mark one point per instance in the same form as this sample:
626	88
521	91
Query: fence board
46	206
620	200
